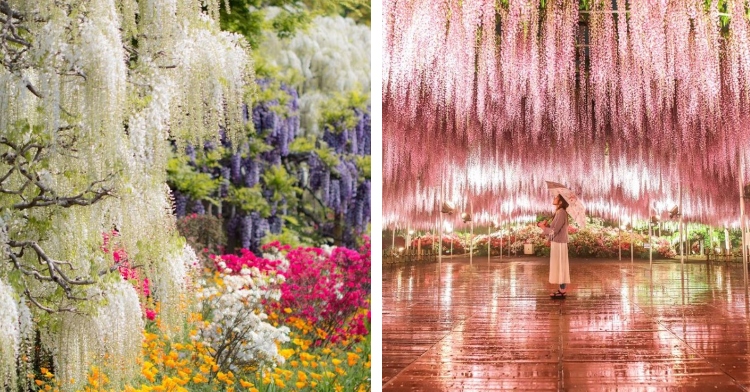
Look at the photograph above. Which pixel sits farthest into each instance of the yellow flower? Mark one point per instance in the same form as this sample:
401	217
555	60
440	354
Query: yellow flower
352	358
326	351
246	384
336	361
338	388
287	310
300	384
305	363
149	375
294	363
306	357
286	353
340	371
301	375
280	383
313	384
198	379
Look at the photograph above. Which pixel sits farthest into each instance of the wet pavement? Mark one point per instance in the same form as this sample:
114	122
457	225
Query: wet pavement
622	327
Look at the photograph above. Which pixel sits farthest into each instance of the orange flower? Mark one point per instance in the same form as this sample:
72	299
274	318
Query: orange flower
246	384
352	358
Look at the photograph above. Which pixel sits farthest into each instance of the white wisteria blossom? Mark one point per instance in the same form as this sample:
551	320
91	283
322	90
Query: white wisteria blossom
115	331
10	336
332	56
93	95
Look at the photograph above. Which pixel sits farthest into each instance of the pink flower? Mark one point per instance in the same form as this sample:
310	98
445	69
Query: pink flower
150	314
146	289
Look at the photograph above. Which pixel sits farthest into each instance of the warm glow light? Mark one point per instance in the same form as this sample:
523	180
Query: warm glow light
447	227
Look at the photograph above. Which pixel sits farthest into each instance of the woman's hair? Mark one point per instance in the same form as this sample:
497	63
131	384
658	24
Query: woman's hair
563	203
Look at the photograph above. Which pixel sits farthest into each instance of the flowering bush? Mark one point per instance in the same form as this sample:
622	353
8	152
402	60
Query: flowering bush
585	243
237	335
497	244
428	240
243	335
593	241
181	365
663	248
321	286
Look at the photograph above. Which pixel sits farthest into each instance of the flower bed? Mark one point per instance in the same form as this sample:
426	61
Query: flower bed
427	241
294	319
593	241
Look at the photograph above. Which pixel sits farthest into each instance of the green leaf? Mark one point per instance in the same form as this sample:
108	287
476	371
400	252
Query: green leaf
302	145
287	236
281	183
328	156
364	167
339	112
184	178
249	200
291	220
257	147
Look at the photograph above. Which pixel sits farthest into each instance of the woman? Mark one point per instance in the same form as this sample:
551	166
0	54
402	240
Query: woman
559	272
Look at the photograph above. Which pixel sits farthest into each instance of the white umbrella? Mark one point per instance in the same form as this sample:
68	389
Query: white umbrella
575	209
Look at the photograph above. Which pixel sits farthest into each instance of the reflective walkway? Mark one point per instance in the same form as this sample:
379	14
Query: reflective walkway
494	327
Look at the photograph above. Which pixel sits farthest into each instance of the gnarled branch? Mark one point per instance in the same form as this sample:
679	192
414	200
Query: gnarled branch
53	273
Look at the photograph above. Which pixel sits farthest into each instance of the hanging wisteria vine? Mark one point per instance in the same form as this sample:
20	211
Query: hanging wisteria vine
627	104
261	181
92	93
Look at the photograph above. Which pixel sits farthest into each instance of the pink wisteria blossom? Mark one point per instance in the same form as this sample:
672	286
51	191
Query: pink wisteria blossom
483	103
